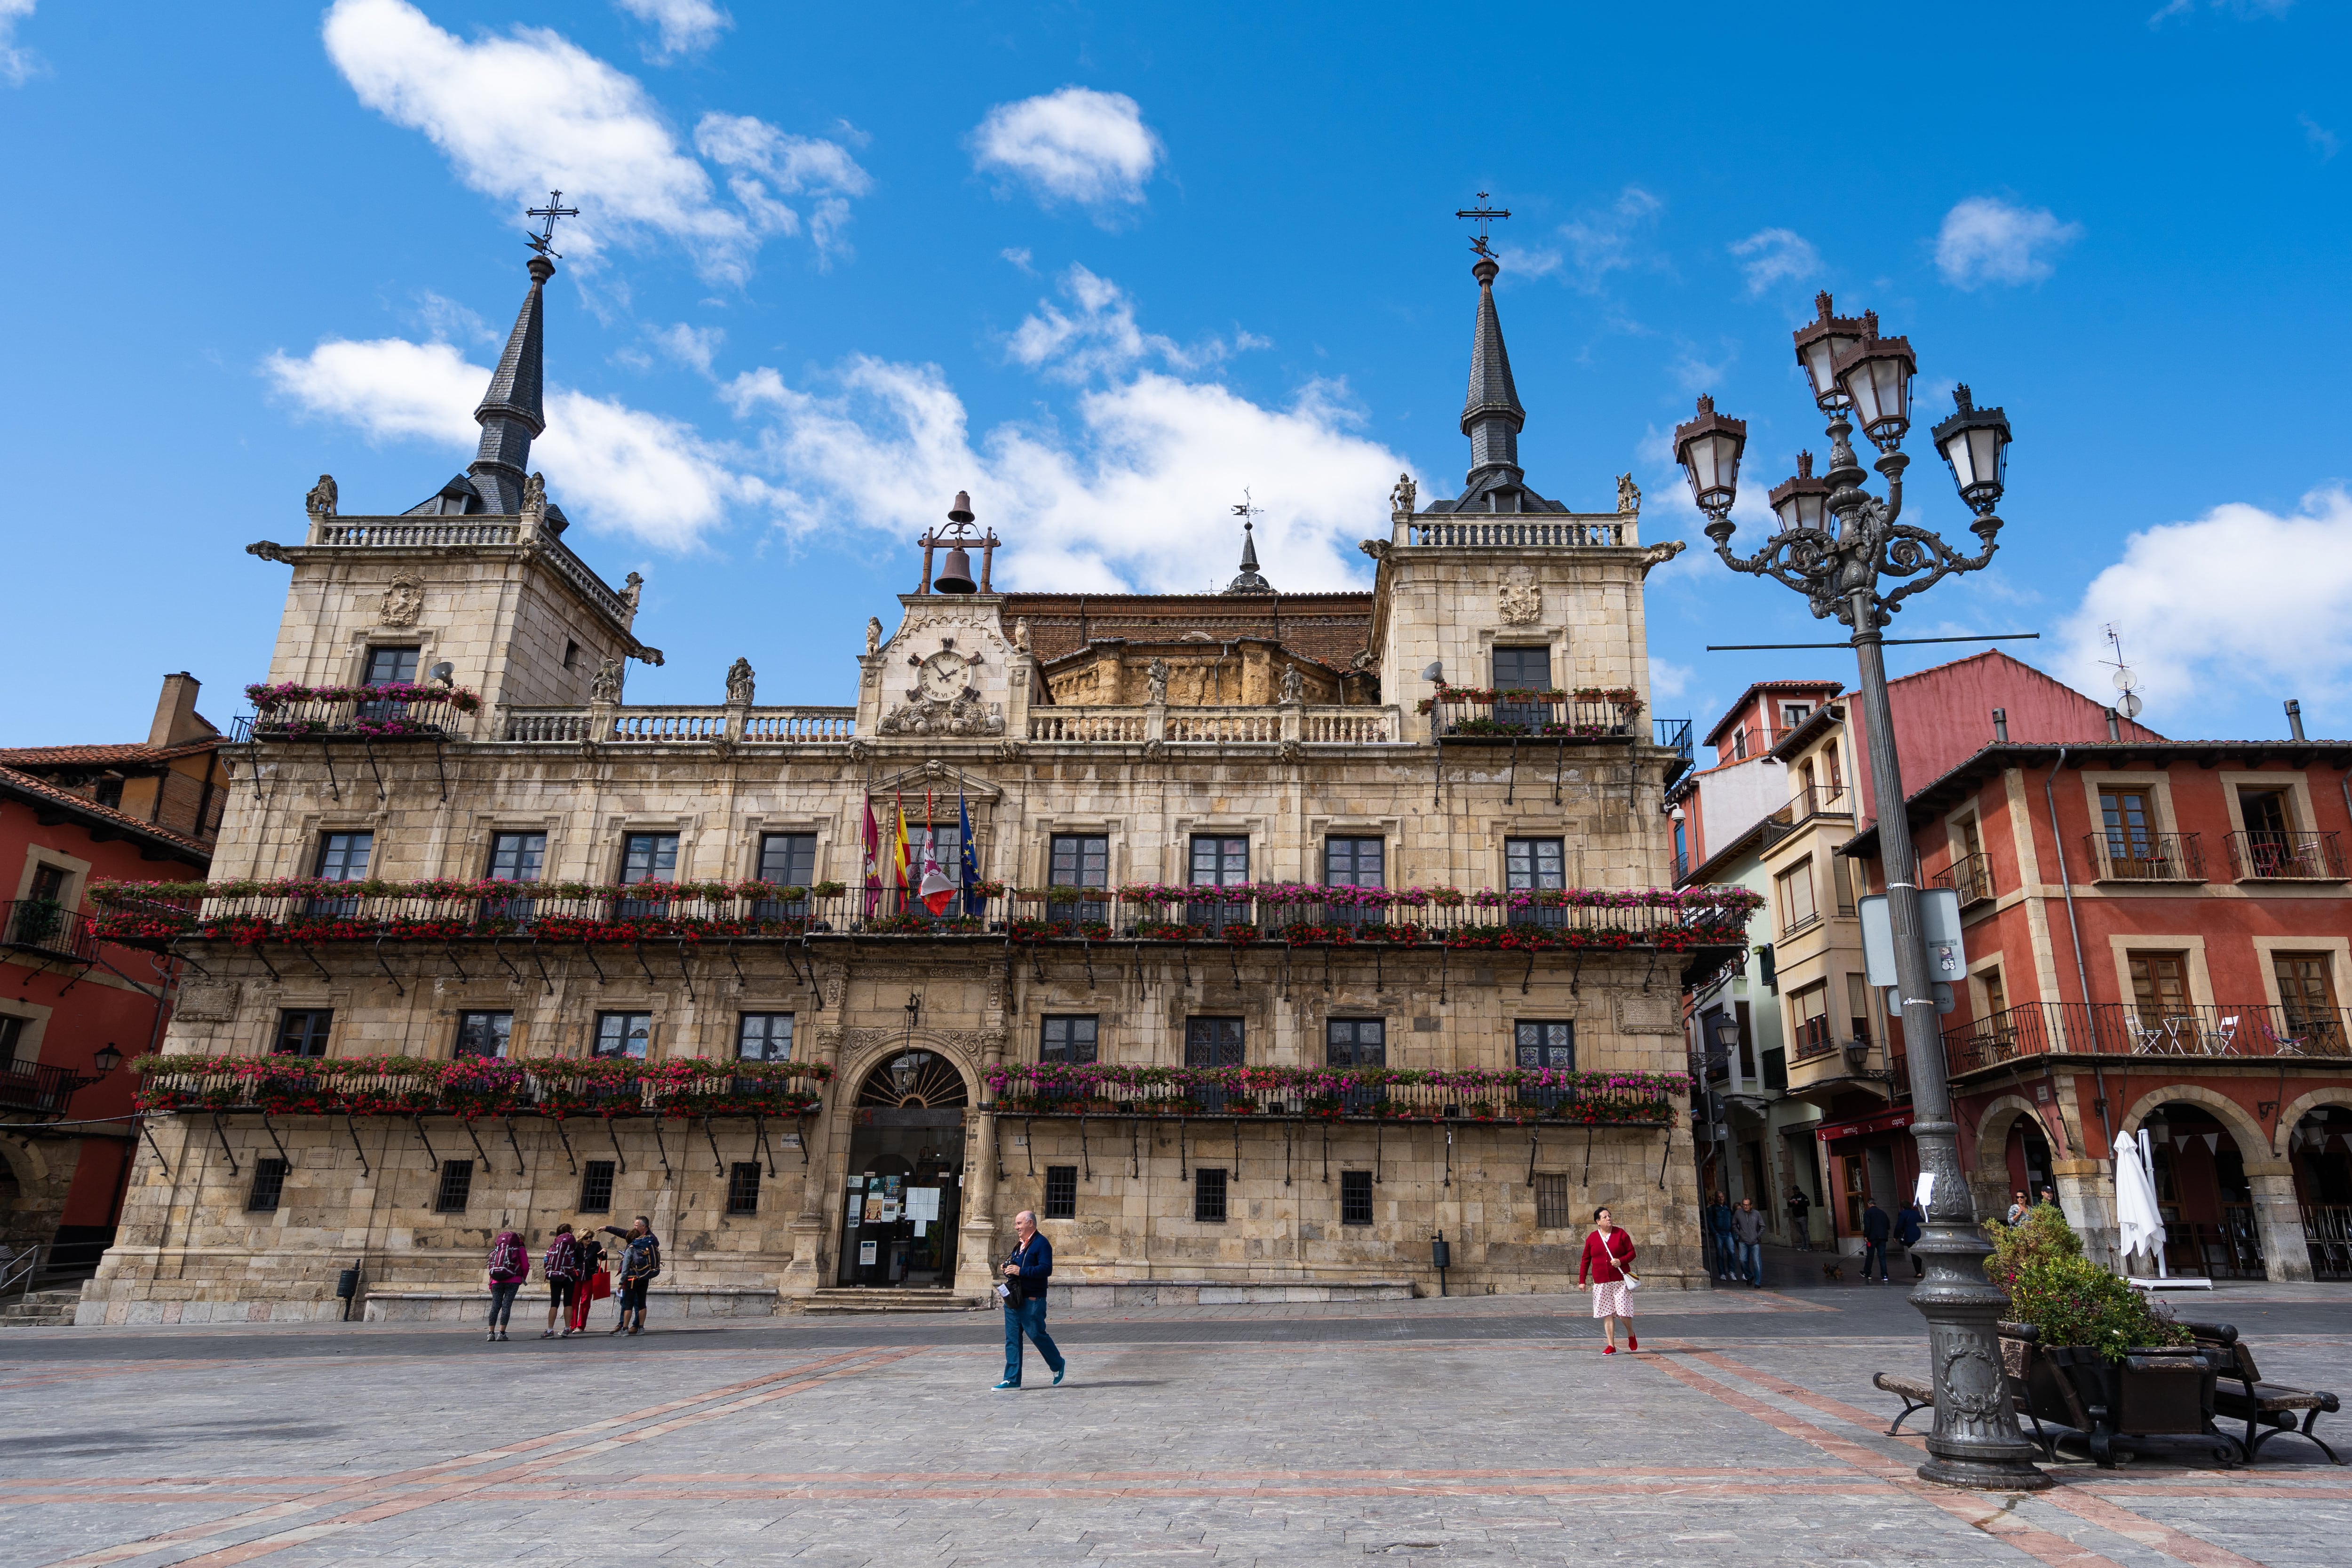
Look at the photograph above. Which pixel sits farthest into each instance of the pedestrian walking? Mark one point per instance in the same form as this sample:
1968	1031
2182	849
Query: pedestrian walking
596	1281
640	1262
1908	1226
1747	1234
1023	1291
1875	1229
560	1263
509	1266
2016	1215
1801	1210
1718	1219
1608	1264
2049	1196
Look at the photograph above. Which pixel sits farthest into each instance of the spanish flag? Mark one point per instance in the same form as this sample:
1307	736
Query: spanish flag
899	856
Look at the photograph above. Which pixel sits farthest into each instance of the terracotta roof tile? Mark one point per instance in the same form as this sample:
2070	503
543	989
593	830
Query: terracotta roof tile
13	782
103	756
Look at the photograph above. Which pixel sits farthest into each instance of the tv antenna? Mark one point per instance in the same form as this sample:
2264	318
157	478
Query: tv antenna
2128	704
554	209
1482	215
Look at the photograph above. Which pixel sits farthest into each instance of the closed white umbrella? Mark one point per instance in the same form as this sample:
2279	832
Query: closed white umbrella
2136	1213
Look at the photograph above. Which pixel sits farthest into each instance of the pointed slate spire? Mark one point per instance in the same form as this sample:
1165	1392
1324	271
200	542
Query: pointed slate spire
1491	417
512	414
1250	580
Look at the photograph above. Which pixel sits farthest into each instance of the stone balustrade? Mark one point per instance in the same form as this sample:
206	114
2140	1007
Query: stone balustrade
679	725
1216	726
1519	531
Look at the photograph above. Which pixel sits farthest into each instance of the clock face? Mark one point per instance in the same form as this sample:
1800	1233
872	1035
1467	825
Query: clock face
945	674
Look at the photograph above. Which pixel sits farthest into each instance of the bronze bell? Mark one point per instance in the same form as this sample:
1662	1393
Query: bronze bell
955	574
961	510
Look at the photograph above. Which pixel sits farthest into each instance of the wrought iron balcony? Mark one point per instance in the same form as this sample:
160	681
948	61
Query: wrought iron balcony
47	928
38	1088
2285	857
2109	1028
1805	806
371	714
1971	875
2144	857
1465	713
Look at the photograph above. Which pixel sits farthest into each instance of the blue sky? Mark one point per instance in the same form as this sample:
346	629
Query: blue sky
1108	265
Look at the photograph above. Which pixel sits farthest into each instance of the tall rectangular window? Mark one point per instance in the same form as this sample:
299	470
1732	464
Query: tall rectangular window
763	1036
1213	1043
483	1034
2133	846
1356	1043
624	1034
744	1187
391	665
2307	997
1081	860
1219	862
12	1035
2159	986
1209	1195
1067	1037
1535	865
596	1187
268	1185
1809	1010
649	857
1355	1198
1522	669
1355	862
343	857
1552	1212
302	1032
1795	888
517	857
1540	1045
457	1186
1061	1192
789	860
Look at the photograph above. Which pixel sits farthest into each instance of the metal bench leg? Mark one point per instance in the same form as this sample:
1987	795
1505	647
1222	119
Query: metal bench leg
1910	1406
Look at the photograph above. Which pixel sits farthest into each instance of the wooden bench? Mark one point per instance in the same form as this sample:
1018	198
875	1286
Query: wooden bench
1916	1393
2268	1409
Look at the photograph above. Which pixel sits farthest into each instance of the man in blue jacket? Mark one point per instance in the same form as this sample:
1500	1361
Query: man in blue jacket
1908	1226
1875	1229
1026	1273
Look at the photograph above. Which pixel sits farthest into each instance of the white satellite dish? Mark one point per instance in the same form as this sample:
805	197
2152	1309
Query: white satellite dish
2129	705
2124	680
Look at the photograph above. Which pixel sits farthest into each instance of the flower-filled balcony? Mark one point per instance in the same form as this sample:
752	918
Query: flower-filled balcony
394	711
472	1087
305	910
1510	1096
1484	713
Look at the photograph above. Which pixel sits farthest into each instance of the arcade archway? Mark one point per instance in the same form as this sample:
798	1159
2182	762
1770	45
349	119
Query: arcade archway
904	1181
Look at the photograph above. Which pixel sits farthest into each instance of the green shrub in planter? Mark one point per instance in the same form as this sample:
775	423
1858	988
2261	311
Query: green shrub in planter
2071	1299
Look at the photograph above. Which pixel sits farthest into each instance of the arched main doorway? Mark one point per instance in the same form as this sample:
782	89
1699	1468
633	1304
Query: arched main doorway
2203	1194
906	1172
2320	1148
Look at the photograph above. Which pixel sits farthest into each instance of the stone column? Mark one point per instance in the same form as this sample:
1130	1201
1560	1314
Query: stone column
2086	1191
2278	1220
1294	717
738	713
1155	722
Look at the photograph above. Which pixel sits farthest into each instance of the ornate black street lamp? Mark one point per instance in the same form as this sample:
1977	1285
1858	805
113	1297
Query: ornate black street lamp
1834	544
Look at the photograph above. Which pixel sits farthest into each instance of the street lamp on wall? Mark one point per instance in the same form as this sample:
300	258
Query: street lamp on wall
107	1059
1834	544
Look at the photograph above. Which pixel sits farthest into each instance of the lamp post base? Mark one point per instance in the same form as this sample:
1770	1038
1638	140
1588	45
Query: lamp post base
1976	1442
1979	1476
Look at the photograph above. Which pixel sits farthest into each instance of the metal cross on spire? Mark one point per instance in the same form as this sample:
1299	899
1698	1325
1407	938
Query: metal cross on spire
554	209
1482	215
1247	510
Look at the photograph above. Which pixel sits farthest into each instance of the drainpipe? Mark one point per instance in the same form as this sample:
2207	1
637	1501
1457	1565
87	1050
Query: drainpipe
2074	928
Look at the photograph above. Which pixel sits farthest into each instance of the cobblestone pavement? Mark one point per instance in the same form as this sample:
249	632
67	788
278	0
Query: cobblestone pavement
1747	1430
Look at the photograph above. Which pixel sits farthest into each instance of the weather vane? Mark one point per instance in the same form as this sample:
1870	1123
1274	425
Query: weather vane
1482	215
1247	513
551	212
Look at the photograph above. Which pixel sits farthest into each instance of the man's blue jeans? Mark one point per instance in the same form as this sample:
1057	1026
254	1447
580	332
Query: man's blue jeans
1873	1259
1751	1261
1724	1254
1027	1318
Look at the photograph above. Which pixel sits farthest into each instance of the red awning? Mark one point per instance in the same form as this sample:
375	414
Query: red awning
1886	1122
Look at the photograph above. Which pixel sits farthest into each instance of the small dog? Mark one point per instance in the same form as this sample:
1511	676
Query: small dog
1833	1273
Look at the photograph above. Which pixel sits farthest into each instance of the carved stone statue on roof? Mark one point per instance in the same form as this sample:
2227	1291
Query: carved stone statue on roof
1402	499
873	634
1293	684
606	686
739	684
534	500
320	501
1629	495
1158	676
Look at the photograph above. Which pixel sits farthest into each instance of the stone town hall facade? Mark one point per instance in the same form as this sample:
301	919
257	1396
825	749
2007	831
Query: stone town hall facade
1490	1067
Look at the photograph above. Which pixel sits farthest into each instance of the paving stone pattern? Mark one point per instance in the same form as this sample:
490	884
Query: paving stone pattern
1738	1436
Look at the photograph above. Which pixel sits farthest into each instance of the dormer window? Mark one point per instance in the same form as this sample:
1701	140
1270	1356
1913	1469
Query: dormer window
1794	713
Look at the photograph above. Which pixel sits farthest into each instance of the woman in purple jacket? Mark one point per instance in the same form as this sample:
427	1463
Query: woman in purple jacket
509	1266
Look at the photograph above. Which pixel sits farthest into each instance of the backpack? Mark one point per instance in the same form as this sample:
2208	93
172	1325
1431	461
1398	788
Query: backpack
508	1258
643	1259
562	1259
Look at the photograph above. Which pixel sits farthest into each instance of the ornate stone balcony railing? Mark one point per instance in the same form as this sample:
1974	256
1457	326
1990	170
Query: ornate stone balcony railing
1319	726
405	532
1519	531
678	725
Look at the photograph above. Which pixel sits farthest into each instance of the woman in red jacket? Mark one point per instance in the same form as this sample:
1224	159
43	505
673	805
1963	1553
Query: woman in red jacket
1608	1261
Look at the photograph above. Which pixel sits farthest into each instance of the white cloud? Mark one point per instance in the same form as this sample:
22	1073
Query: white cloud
2321	138
612	467
760	155
2240	599
1135	500
18	65
1019	256
1101	336
1986	240
521	114
1077	145
2241	8
691	346
1773	256
687	26
1596	243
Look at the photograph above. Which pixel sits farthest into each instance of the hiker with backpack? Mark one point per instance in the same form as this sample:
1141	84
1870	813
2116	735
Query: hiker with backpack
640	1262
509	1266
595	1283
561	1267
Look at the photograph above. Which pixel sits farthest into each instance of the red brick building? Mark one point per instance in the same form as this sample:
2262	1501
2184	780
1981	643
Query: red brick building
68	815
2157	936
